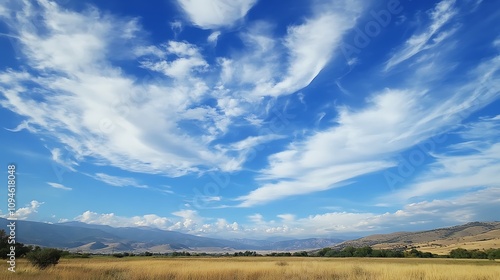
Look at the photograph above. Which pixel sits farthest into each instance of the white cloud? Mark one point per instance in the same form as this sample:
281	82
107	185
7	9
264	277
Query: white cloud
59	186
3	12
217	13
478	205
176	27
467	165
95	110
118	181
25	212
57	157
214	36
252	141
442	13
99	113
272	67
187	221
118	221
364	140
188	59
310	47
481	205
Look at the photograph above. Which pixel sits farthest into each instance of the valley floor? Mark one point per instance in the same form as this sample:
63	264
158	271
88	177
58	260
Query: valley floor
150	268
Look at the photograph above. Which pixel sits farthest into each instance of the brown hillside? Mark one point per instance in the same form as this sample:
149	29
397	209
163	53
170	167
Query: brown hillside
475	235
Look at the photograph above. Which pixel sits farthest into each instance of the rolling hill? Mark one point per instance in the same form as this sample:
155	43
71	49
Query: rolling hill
475	235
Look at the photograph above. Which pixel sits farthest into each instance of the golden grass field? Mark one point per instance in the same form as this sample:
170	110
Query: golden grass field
289	268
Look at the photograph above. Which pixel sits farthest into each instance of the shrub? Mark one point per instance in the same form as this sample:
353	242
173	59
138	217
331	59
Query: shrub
43	258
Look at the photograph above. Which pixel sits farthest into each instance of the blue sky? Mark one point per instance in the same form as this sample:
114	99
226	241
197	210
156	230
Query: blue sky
253	119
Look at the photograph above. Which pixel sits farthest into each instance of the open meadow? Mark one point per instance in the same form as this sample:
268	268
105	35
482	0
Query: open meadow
148	268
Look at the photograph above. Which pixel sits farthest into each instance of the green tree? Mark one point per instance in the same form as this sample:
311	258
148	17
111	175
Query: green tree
493	254
332	253
460	253
20	249
43	258
476	254
347	251
365	251
324	251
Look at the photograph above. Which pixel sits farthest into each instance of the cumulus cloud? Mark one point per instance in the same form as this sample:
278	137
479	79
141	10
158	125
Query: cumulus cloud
23	213
186	220
188	58
118	221
475	205
471	206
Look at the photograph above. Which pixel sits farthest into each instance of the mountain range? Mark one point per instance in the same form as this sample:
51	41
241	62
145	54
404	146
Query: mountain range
82	237
78	236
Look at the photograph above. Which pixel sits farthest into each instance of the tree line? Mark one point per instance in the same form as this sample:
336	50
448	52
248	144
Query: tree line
347	252
461	253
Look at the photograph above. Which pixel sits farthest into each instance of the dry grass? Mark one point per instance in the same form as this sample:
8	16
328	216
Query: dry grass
259	268
443	249
481	236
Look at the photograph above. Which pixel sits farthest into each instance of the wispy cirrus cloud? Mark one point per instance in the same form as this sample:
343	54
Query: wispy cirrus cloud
363	141
118	181
163	123
93	125
473	163
433	34
59	186
275	67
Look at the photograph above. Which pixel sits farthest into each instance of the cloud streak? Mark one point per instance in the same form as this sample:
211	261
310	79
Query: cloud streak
118	181
470	164
363	141
59	186
442	14
162	123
